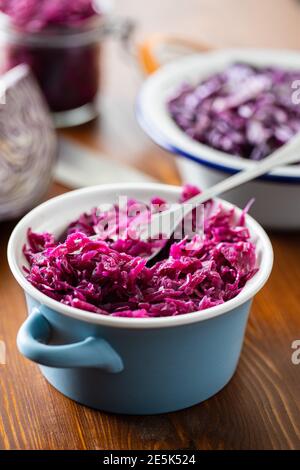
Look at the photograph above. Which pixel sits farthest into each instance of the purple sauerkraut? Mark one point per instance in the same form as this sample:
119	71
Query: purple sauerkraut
243	110
37	15
111	277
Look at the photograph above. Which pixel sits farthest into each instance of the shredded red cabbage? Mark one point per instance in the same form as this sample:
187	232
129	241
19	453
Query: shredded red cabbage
36	15
244	110
111	278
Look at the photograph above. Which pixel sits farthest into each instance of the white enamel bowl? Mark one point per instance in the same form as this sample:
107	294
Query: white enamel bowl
277	195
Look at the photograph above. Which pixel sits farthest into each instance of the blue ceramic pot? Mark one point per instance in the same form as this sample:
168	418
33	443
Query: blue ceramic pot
126	365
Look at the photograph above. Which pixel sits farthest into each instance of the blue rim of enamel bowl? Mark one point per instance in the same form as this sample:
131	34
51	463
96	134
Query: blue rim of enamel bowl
154	128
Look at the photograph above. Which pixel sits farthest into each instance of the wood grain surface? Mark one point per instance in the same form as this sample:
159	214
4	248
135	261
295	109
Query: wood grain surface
260	408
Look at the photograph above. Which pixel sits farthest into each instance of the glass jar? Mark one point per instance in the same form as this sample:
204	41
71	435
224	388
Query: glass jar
65	61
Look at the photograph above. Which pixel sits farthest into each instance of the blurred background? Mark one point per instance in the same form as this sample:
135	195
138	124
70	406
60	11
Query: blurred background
228	23
115	133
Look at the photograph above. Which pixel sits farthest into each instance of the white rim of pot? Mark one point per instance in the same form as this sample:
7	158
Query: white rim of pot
248	292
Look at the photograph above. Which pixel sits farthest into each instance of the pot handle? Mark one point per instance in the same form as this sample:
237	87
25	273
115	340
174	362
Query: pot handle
149	49
90	352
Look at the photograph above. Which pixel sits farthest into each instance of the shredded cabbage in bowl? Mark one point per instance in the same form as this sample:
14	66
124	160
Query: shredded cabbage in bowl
243	110
111	277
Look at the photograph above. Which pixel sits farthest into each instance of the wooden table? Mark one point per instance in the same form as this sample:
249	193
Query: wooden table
260	408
